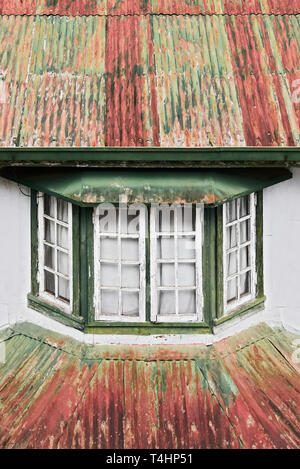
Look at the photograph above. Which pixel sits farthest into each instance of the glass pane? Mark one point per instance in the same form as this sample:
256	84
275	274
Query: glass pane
49	257
49	282
166	302
231	237
245	283
49	231
232	266
130	303
130	249
109	248
231	211
63	263
166	275
189	217
130	276
187	302
63	289
123	220
245	231
165	219
244	258
165	248
108	220
62	236
49	205
109	302
134	220
186	275
62	210
109	276
232	291
244	206
186	247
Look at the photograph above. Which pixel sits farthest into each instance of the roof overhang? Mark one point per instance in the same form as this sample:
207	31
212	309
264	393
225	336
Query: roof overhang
147	156
89	187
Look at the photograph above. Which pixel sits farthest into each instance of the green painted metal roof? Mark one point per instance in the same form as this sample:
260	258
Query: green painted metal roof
93	186
242	392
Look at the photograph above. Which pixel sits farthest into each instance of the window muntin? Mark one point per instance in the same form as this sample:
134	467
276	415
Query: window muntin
176	270
120	263
55	251
239	244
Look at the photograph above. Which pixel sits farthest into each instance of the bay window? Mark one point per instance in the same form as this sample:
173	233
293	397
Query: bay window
146	267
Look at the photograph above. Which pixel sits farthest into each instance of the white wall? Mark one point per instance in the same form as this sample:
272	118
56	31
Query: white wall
281	259
282	251
14	251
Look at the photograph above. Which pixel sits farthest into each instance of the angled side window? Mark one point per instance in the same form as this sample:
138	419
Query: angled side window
239	252
55	251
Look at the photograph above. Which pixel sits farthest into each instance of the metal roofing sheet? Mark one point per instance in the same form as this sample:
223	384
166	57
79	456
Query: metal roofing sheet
150	80
130	7
240	392
93	186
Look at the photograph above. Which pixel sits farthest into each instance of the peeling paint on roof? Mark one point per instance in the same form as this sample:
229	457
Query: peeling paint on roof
125	75
59	393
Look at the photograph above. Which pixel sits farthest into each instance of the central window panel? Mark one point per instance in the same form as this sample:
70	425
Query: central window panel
120	263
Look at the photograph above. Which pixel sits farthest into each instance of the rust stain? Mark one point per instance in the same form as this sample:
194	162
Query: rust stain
240	392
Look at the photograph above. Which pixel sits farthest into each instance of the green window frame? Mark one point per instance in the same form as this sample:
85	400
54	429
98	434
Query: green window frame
83	312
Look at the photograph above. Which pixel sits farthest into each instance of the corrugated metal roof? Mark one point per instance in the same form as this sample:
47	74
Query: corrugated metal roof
240	392
136	7
190	80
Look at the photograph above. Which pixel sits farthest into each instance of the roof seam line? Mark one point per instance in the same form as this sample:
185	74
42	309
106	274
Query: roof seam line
108	15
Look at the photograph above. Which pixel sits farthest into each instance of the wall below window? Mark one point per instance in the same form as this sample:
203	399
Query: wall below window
281	258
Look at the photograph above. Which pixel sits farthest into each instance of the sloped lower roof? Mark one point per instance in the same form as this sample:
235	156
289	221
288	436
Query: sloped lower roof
149	73
242	392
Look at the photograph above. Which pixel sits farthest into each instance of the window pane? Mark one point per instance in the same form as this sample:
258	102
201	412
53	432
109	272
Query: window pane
130	276
189	218
63	289
49	231
245	231
165	248
109	302
231	237
49	282
49	205
231	209
166	302
49	257
130	249
62	210
166	275
186	247
109	276
244	206
245	283
232	290
187	302
186	275
232	266
244	258
62	237
165	219
109	248
63	263
130	304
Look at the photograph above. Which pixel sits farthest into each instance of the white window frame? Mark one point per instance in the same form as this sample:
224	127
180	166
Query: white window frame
54	299
198	233
240	301
141	236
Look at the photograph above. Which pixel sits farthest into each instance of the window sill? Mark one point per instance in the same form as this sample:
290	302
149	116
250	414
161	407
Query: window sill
40	305
253	306
146	328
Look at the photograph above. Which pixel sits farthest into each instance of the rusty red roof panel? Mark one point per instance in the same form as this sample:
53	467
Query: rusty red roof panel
242	392
150	80
130	7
